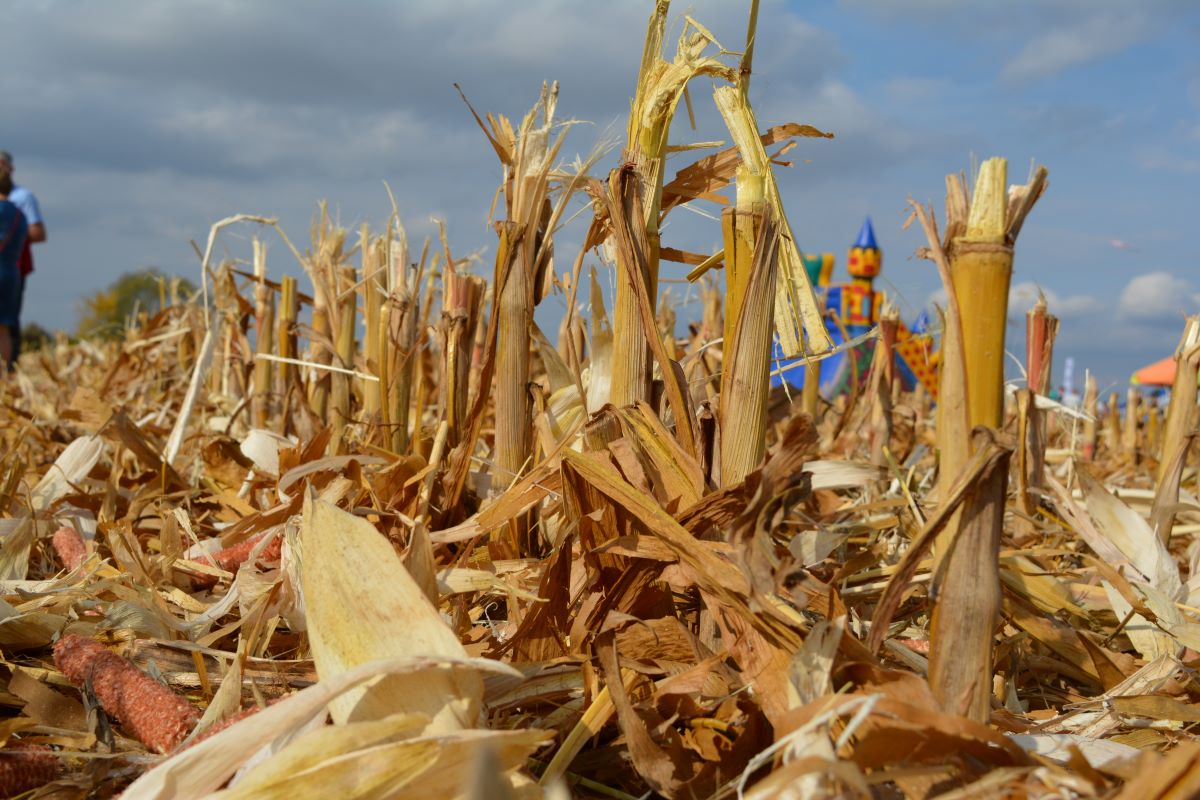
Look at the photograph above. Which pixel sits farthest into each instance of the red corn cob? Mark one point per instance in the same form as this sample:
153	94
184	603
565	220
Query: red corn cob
233	557
25	766
229	721
69	547
221	725
158	717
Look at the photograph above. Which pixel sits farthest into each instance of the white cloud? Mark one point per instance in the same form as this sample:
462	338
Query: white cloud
1089	39
1157	296
1022	296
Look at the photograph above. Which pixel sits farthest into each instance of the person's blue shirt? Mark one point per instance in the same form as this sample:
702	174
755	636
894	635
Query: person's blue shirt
25	200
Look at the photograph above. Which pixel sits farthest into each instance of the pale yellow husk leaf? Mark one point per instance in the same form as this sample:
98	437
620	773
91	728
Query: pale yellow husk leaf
361	605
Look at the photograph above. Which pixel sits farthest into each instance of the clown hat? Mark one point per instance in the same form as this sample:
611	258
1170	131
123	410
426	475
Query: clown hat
866	237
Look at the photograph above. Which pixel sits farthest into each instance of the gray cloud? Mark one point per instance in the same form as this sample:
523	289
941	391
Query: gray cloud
250	90
139	124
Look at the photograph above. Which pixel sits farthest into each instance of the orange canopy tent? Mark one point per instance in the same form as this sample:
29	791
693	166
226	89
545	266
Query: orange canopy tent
1160	373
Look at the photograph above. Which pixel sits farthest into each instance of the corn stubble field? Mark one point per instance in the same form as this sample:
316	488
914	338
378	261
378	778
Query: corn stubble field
386	539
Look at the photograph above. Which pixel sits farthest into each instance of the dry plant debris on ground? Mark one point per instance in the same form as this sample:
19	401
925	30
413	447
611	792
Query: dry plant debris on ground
389	539
674	637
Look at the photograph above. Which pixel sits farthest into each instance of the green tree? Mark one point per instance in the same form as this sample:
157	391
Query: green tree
105	312
34	337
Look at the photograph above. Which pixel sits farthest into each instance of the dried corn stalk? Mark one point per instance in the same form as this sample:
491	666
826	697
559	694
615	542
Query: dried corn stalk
798	319
751	252
975	264
660	87
523	265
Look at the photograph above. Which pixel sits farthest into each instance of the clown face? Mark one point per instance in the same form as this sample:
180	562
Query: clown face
865	258
864	262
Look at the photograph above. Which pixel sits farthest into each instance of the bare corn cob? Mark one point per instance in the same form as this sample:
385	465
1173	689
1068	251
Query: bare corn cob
69	547
158	717
25	766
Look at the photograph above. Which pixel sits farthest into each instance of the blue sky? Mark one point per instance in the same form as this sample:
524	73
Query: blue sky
140	123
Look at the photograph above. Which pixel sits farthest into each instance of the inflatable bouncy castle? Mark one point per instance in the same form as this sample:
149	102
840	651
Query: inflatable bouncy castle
852	311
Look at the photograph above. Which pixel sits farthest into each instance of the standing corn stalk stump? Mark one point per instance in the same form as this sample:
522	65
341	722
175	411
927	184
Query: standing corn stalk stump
974	260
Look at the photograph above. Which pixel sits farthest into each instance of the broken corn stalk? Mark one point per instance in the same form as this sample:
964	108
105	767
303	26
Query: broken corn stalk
797	313
660	87
751	247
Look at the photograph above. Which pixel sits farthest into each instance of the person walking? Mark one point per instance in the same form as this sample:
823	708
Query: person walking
25	200
13	231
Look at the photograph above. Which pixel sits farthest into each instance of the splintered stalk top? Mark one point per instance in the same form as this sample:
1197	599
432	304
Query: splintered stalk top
981	262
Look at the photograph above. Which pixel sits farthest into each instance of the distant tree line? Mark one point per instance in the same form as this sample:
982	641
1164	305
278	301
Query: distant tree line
106	313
